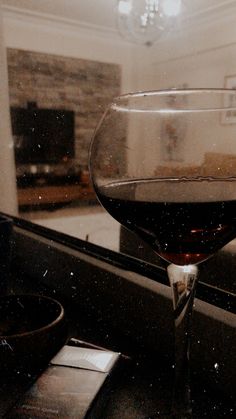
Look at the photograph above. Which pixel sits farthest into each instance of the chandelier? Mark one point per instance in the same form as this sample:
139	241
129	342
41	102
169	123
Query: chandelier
144	21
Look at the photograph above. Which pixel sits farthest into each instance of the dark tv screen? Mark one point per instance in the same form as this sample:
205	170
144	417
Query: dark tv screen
43	135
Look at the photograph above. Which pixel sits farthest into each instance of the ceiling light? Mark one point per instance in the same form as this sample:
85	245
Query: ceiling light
171	7
145	21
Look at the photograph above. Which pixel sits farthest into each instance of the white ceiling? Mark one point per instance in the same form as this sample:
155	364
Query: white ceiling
102	12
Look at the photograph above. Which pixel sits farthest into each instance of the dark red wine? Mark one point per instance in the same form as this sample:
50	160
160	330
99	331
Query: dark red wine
184	221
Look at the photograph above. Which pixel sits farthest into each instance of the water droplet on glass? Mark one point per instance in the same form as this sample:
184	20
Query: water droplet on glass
216	366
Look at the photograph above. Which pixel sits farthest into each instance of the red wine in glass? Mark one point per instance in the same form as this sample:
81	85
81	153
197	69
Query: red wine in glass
181	232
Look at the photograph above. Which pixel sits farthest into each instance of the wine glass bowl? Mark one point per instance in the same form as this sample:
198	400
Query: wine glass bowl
163	164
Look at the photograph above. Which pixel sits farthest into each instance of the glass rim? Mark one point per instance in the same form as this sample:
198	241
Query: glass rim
202	99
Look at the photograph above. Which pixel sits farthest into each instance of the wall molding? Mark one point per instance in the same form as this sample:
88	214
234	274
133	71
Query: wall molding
210	15
26	16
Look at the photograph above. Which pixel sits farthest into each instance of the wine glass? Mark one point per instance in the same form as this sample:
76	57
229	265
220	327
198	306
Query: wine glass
163	164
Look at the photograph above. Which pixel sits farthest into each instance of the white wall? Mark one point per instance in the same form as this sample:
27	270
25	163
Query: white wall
197	56
8	198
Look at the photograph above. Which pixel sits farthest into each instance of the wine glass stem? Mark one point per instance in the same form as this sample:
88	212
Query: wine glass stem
183	281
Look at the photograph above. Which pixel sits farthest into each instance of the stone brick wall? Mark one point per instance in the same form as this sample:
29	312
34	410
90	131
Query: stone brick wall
57	82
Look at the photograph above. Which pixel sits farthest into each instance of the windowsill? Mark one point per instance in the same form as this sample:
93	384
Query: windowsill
125	310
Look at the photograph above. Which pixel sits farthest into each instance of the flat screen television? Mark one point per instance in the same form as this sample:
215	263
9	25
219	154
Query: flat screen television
42	136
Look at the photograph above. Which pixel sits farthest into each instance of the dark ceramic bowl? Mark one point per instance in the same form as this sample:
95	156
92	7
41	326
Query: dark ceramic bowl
32	330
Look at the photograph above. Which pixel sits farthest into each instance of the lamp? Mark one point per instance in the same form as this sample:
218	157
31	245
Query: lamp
144	21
